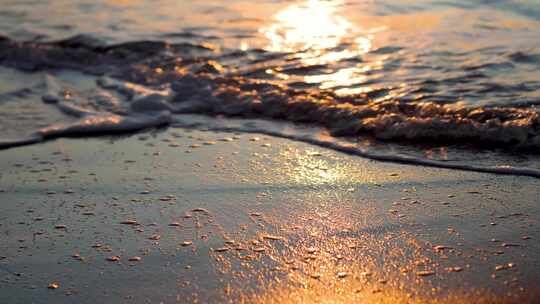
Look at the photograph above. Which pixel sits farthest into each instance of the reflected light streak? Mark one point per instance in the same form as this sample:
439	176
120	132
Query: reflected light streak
312	25
343	77
317	35
315	171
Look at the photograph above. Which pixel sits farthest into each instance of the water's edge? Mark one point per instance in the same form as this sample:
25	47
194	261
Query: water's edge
138	95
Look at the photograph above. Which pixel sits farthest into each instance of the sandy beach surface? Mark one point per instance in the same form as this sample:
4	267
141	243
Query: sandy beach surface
179	216
279	151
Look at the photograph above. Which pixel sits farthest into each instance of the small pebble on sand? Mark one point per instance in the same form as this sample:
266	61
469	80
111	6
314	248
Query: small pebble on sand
454	269
53	286
129	222
201	210
510	245
113	258
311	250
504	266
272	237
259	249
342	274
442	247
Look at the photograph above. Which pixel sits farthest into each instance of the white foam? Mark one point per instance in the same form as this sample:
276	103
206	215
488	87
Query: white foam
312	136
146	108
131	90
106	123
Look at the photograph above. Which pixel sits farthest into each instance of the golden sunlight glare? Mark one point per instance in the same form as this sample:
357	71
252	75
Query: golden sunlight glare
310	25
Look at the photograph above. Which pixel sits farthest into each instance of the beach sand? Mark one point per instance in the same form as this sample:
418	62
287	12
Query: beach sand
176	216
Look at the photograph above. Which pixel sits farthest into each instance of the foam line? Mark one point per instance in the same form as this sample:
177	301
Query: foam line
401	159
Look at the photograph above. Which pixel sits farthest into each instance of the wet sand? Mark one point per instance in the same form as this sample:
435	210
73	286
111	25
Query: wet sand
178	216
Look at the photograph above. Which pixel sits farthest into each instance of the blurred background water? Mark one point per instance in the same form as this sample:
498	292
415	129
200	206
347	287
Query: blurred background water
478	52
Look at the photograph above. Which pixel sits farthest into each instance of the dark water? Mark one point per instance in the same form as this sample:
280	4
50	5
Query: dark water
446	83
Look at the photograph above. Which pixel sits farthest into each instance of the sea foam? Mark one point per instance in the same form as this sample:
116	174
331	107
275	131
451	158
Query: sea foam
144	84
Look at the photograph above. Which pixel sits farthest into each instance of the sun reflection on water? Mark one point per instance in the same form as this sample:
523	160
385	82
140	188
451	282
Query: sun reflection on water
343	77
311	25
316	33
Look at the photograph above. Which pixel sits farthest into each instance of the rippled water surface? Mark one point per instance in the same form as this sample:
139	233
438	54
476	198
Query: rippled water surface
426	79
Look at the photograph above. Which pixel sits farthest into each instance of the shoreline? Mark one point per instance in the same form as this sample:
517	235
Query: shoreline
312	135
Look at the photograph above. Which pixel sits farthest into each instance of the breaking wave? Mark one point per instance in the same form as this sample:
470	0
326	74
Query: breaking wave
152	83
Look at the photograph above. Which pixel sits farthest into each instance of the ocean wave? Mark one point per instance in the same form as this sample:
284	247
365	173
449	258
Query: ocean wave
157	81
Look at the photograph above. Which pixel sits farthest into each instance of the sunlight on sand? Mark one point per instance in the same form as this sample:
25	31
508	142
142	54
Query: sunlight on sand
326	257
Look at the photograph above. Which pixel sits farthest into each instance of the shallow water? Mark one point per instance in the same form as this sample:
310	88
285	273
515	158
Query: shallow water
430	82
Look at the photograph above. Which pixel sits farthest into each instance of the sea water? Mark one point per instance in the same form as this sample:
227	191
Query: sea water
441	83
